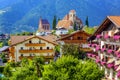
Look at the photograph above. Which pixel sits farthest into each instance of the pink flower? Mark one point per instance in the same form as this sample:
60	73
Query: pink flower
110	51
116	37
110	65
103	63
97	48
89	45
106	36
98	36
118	74
115	67
103	49
97	60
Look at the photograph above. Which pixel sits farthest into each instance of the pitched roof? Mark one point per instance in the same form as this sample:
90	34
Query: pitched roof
73	34
64	24
115	20
4	48
19	39
45	21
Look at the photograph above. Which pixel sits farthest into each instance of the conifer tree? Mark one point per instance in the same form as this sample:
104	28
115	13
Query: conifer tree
87	22
54	23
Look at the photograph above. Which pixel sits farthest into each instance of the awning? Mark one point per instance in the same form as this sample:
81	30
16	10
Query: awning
117	62
111	60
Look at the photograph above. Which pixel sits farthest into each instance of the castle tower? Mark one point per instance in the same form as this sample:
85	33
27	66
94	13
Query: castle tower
72	15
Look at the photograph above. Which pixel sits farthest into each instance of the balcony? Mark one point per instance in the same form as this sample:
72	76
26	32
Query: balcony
106	36
99	36
97	48
97	60
116	38
115	67
110	65
103	63
37	51
31	57
103	49
35	44
109	51
118	74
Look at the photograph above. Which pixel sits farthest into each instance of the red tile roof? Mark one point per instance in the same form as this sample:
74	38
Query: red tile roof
65	24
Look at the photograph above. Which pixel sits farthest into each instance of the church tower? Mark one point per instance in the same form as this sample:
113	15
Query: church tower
72	15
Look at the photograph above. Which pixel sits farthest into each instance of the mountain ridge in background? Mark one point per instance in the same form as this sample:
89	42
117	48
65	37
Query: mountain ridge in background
24	15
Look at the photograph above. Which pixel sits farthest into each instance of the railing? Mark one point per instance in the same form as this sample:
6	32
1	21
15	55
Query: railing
31	57
35	44
75	41
36	51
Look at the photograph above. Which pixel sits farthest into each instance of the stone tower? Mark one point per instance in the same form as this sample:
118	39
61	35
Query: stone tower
72	15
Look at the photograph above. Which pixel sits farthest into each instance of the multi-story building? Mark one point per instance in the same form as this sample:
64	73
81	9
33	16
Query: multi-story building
30	46
78	37
105	43
69	22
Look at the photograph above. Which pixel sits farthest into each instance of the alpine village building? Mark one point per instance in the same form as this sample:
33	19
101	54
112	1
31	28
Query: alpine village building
30	46
105	43
68	22
78	37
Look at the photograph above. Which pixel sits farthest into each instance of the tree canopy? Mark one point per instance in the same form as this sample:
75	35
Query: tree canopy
70	68
73	50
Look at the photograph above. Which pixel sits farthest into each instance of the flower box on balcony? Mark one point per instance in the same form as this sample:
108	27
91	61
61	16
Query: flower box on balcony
93	55
103	63
103	49
89	55
115	67
106	36
97	48
110	65
99	36
118	56
116	37
97	60
118	74
94	45
89	45
116	53
110	51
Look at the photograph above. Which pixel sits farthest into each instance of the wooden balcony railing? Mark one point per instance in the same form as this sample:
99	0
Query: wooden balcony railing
31	57
75	41
37	51
35	44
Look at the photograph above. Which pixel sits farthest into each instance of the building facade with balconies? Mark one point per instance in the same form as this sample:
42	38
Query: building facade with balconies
105	43
30	46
